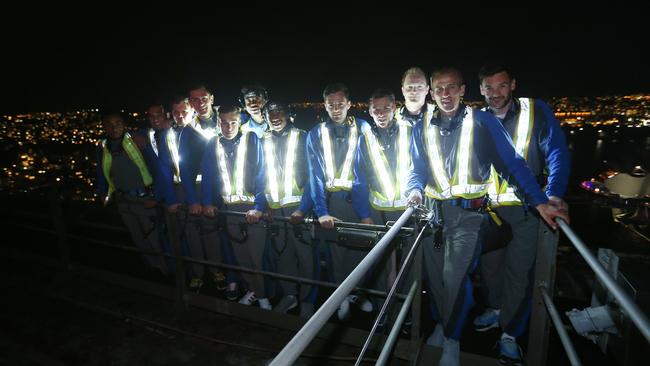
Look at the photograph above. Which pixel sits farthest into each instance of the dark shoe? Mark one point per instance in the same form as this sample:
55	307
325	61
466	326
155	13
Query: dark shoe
233	294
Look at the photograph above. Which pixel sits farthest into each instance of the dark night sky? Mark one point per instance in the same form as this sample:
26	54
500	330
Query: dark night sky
58	58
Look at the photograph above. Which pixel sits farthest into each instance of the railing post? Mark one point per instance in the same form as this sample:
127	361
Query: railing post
172	232
416	305
59	227
544	273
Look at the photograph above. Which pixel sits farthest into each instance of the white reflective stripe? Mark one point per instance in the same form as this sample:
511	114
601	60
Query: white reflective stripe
199	177
207	133
152	140
290	199
396	204
464	147
343	180
270	166
508	197
327	152
235	198
173	151
403	159
522	138
223	168
379	162
240	163
435	155
349	156
289	165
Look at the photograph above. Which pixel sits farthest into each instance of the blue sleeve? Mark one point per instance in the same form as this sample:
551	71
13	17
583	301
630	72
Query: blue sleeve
360	191
316	173
210	182
166	179
498	146
553	145
260	176
419	173
101	185
185	166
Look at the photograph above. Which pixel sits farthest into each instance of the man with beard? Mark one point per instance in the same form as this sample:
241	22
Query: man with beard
507	273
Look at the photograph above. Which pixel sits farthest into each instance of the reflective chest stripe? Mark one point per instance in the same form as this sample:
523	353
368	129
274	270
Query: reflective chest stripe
207	133
290	194
500	193
172	146
152	141
234	193
133	153
461	184
345	176
392	195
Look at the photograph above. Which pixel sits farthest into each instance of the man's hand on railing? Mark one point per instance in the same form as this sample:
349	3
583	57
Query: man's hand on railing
173	208
415	198
549	213
558	203
368	221
195	209
297	217
209	210
327	221
253	216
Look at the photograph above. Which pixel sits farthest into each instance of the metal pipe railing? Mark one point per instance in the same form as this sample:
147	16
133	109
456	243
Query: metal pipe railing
559	326
306	334
394	332
384	306
626	302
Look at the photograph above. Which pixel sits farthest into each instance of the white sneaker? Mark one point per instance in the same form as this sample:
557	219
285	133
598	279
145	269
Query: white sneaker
437	338
248	299
344	309
450	353
366	306
265	303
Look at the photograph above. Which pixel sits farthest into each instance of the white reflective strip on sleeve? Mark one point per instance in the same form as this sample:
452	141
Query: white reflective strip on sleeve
240	164
270	166
464	147
327	154
223	168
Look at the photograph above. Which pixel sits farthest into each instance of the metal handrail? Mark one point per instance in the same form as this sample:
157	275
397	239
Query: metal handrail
306	334
559	326
394	332
626	302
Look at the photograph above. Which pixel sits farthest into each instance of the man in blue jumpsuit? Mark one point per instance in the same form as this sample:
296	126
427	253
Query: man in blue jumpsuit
202	234
381	174
507	273
123	175
452	157
287	194
234	174
253	99
331	149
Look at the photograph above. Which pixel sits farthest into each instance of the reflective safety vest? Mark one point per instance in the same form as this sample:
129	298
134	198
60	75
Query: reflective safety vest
207	133
172	146
499	192
133	153
461	185
393	184
234	191
339	179
281	188
428	108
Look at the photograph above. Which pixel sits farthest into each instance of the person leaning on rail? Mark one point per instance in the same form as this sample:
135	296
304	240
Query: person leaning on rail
452	154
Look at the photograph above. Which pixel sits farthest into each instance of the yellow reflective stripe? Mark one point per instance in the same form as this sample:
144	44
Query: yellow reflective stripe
439	174
172	146
240	163
379	162
403	159
327	152
107	161
289	165
346	172
270	167
133	153
207	133
223	168
462	164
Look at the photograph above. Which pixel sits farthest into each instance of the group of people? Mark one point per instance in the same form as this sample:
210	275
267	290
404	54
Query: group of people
506	162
